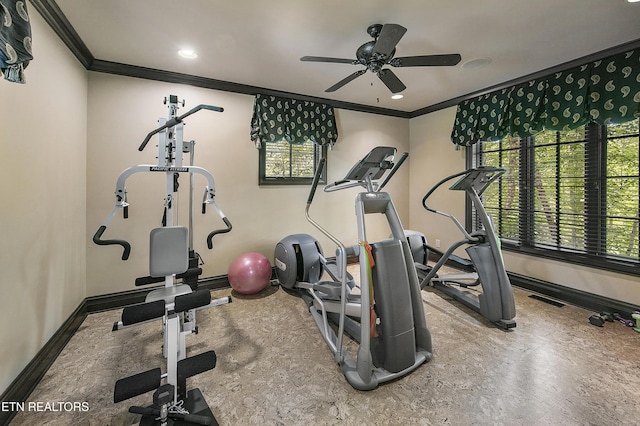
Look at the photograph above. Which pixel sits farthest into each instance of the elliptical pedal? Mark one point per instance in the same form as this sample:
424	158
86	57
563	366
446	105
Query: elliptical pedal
331	288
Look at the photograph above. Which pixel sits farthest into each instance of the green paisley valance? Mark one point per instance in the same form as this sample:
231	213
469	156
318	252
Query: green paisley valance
603	91
276	118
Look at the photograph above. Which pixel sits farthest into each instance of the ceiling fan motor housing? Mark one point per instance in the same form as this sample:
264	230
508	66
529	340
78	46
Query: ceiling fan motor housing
373	61
374	30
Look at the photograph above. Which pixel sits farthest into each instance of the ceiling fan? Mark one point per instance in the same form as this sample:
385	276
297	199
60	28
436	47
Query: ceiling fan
379	52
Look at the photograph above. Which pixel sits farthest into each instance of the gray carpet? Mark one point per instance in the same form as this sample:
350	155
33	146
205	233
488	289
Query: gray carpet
274	369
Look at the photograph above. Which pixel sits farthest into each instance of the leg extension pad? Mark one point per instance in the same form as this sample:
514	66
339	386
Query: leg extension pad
192	300
191	366
142	312
137	384
196	364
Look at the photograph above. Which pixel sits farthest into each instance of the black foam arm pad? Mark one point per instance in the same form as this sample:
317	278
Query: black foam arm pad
143	312
196	364
192	300
137	384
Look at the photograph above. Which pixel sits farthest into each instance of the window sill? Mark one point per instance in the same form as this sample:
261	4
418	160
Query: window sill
288	181
627	267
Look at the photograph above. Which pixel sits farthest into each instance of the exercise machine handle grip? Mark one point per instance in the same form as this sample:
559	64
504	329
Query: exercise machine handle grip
144	411
395	168
172	122
316	179
196	420
436	186
125	245
219	231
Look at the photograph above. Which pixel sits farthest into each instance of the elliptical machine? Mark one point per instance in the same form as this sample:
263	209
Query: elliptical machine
495	302
384	313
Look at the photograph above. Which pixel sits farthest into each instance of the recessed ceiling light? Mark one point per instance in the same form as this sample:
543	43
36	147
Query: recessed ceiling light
397	96
633	1
476	63
187	53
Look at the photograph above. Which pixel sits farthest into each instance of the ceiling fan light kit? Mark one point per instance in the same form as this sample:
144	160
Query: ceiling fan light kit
375	54
476	63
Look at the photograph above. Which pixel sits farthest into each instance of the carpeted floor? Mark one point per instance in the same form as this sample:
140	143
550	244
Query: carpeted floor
274	369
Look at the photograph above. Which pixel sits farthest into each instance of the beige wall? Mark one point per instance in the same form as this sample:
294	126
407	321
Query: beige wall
43	245
433	157
123	110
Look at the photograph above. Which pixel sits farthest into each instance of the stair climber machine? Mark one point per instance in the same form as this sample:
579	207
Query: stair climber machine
171	257
384	313
495	302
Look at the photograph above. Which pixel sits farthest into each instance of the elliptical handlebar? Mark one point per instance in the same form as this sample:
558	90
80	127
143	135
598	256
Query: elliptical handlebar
176	120
393	171
316	179
436	186
476	180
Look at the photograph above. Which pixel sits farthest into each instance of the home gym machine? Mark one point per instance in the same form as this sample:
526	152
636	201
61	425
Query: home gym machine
384	314
495	302
171	257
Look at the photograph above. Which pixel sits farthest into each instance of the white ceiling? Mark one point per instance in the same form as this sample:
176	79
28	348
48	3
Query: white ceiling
259	43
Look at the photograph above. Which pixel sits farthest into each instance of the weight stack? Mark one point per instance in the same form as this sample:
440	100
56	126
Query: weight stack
194	263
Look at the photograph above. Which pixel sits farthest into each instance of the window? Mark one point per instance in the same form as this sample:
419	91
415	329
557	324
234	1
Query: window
572	195
291	136
284	163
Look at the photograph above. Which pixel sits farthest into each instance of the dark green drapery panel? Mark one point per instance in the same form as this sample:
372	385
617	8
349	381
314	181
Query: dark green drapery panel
275	118
604	91
15	40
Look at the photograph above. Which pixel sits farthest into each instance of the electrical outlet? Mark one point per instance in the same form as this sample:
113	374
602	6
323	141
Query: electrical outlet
437	243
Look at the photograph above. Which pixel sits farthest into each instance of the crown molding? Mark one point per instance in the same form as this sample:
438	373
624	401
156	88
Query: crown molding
634	44
51	13
56	19
108	67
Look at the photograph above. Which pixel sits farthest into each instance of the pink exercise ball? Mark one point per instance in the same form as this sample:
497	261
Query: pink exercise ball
249	273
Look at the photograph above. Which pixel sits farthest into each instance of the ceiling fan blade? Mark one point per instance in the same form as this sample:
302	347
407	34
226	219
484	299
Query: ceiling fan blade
391	81
345	81
323	59
389	36
426	61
